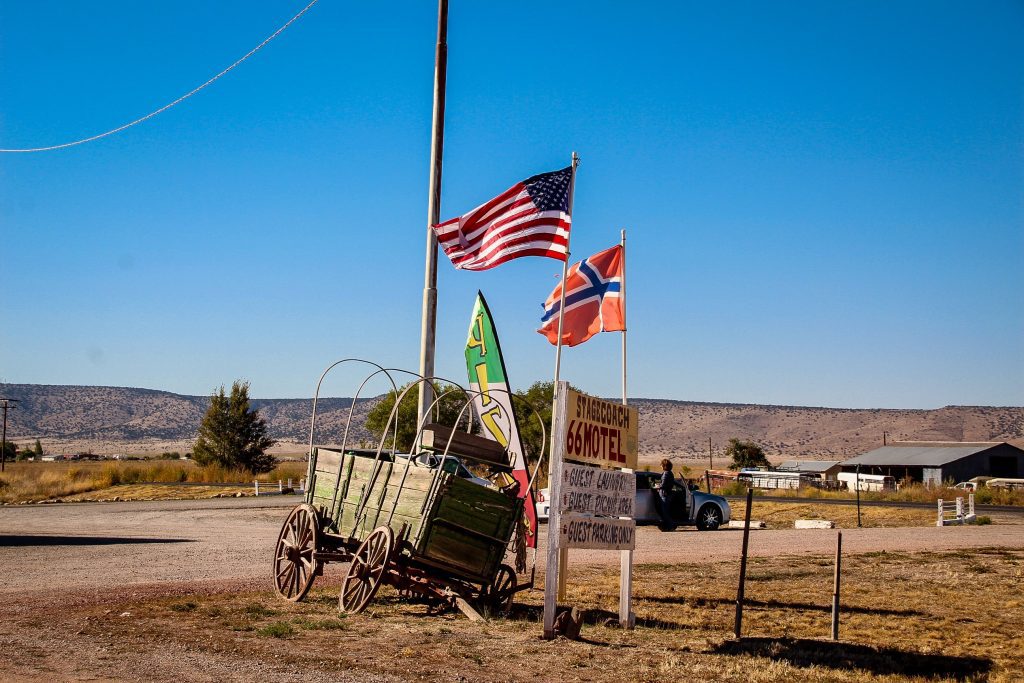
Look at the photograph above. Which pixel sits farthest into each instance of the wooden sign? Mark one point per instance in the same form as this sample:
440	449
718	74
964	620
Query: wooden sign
590	490
599	432
596	533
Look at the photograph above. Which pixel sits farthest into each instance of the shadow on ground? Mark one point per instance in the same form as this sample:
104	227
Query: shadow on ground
877	660
592	617
778	604
40	540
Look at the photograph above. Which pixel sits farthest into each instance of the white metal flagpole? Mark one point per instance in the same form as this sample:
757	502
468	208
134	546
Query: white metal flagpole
626	618
565	271
563	553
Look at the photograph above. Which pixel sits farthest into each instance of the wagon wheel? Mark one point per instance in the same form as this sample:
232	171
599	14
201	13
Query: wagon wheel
294	566
366	572
498	598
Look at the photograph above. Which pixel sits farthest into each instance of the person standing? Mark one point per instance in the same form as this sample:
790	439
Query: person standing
663	496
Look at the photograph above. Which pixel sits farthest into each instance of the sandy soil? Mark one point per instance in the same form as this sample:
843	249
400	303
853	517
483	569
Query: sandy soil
173	590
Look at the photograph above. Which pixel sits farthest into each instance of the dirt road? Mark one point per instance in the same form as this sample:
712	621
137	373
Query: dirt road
99	545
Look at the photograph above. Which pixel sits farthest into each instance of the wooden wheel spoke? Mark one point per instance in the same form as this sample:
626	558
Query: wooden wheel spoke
294	566
351	589
306	537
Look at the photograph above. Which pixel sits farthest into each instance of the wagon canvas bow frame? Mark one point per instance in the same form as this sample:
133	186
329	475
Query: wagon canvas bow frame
311	537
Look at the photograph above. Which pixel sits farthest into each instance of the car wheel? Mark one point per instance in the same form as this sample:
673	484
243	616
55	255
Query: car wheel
709	518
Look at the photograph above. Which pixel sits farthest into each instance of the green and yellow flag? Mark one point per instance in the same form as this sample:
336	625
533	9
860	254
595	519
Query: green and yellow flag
494	402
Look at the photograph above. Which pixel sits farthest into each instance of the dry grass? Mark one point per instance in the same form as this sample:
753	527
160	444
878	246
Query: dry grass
914	493
782	515
905	617
24	481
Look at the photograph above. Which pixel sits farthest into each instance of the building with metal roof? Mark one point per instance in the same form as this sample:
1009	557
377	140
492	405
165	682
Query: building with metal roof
824	469
935	462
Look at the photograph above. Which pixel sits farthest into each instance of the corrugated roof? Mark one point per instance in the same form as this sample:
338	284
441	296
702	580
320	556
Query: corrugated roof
809	465
919	455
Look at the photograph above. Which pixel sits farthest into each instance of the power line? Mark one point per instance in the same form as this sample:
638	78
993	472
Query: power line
164	108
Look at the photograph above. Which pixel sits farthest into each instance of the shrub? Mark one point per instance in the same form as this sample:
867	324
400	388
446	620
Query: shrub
278	629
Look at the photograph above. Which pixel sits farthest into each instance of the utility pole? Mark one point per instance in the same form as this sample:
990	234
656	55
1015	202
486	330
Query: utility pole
3	440
429	323
711	461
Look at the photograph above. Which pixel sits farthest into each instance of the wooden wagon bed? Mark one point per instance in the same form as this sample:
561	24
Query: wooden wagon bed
438	519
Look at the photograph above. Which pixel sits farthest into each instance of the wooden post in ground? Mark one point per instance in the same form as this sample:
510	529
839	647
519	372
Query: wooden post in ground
835	586
743	565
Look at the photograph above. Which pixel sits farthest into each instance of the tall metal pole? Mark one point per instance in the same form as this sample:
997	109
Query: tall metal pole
429	319
563	553
626	619
858	496
565	273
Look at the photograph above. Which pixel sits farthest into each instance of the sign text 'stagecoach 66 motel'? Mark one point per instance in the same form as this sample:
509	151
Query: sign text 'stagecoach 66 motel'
600	432
592	500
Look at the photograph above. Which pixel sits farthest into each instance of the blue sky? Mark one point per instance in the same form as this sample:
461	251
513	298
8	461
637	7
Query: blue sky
824	201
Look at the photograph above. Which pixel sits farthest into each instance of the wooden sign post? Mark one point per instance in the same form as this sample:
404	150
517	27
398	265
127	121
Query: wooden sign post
592	503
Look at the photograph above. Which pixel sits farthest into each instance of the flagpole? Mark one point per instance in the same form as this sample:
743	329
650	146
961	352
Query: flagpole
565	271
626	619
429	317
563	553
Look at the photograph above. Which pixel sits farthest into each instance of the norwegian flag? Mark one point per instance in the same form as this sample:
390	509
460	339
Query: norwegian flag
531	218
593	300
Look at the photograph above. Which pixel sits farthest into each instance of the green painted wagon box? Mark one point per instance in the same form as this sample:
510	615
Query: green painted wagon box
458	526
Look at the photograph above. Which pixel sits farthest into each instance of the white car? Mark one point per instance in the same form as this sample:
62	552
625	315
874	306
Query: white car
452	465
688	505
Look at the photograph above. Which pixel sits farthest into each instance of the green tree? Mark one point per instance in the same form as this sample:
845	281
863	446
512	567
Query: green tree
538	397
446	412
232	434
745	454
10	450
38	450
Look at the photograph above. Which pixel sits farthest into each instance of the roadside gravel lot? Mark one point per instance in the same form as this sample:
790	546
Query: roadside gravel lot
102	545
175	591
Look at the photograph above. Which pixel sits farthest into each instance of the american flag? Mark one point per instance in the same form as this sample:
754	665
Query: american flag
531	218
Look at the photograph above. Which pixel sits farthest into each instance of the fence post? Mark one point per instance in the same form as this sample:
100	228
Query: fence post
835	587
743	565
970	506
256	483
289	482
939	522
280	486
960	509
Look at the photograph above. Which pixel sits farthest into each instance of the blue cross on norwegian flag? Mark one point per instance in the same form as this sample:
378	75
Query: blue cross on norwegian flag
593	300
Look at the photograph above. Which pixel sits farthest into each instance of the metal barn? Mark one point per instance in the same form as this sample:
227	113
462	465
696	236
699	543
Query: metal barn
935	462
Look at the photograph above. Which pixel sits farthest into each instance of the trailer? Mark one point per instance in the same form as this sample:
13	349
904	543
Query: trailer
867	482
419	522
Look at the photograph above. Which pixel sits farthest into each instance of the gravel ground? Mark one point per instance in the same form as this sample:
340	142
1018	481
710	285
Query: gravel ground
69	569
99	545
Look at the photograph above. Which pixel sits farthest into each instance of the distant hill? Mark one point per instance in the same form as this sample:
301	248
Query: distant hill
118	420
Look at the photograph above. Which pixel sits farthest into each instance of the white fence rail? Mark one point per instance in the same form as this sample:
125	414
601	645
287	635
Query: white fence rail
270	490
954	512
